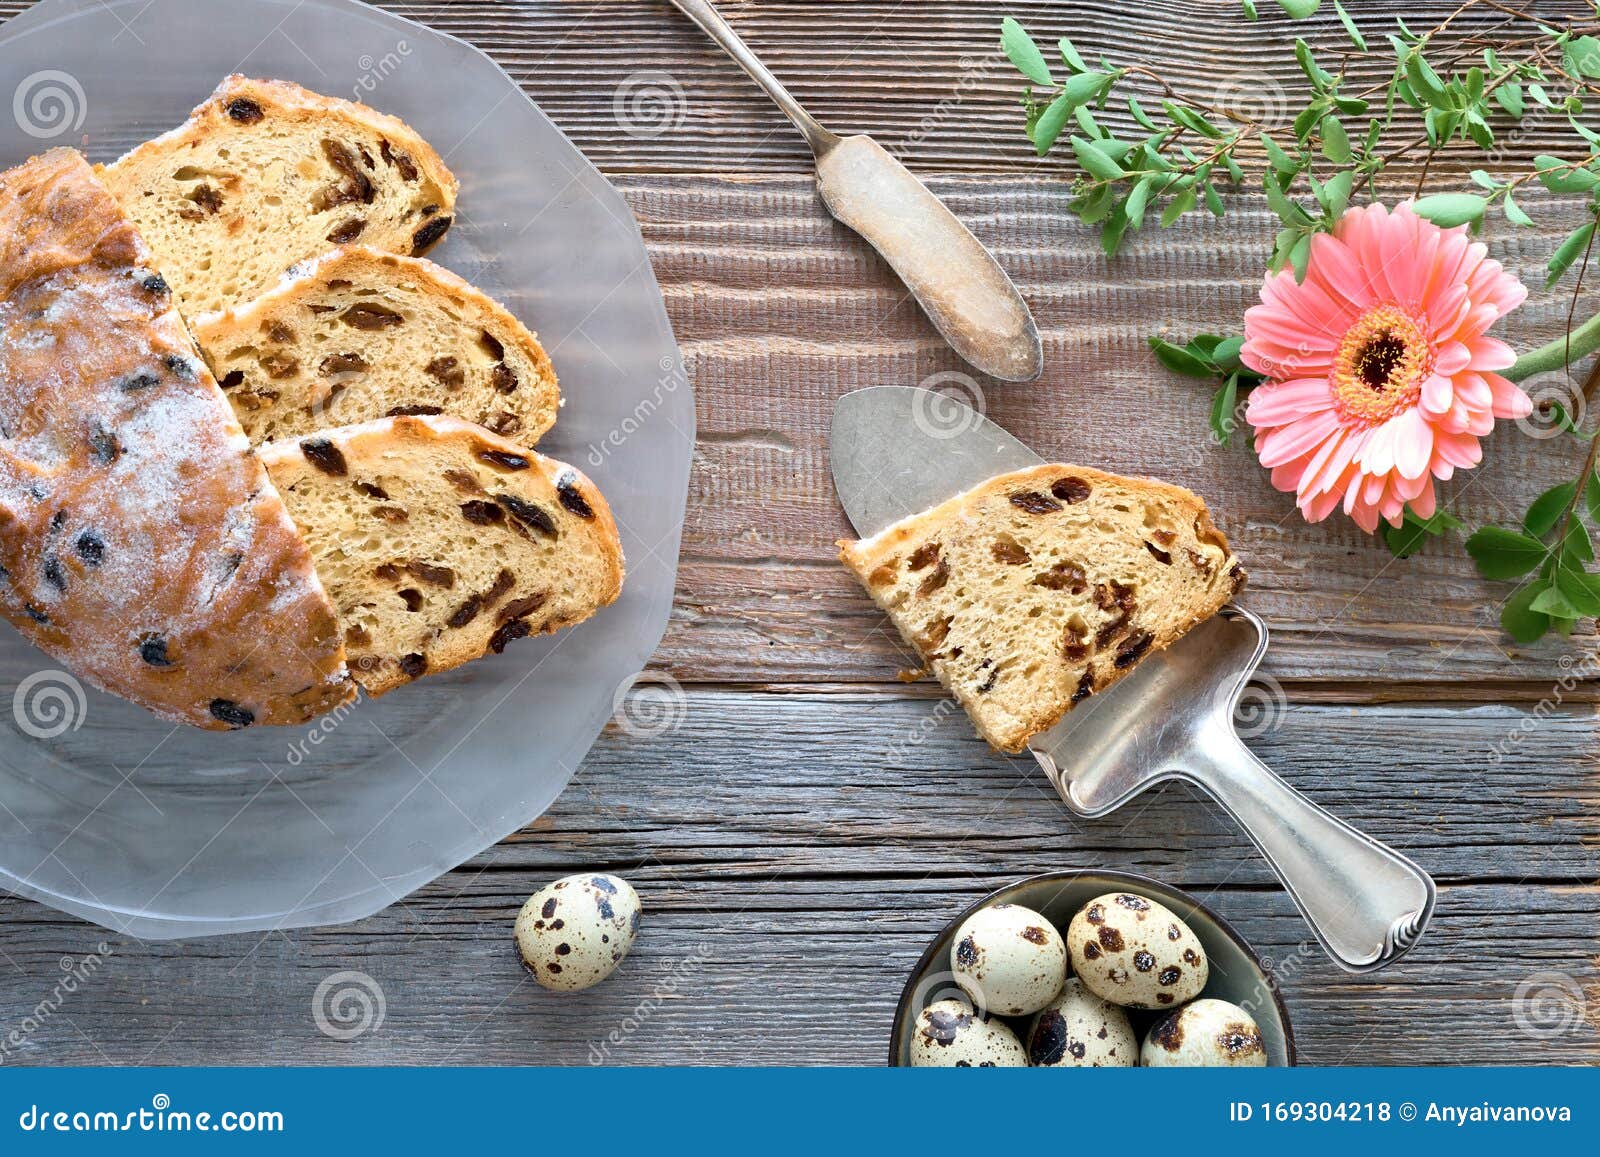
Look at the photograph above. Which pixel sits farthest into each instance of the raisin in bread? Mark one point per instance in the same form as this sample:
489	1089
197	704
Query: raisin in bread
359	334
265	174
1035	589
141	543
441	541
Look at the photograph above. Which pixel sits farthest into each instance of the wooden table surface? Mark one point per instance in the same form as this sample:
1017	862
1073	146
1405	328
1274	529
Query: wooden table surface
810	822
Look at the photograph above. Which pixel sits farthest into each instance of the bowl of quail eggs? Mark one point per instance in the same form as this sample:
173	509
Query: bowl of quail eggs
1090	969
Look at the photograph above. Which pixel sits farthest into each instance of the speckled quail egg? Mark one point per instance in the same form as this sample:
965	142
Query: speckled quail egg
573	933
1079	1030
1010	960
1208	1033
950	1035
1136	952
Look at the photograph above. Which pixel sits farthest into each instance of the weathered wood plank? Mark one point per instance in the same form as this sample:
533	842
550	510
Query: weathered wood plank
779	311
793	872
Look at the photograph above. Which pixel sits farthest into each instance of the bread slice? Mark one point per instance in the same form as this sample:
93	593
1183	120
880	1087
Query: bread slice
359	334
441	541
265	174
1038	588
141	543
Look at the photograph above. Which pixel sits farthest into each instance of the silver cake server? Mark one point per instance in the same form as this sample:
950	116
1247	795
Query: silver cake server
897	451
960	286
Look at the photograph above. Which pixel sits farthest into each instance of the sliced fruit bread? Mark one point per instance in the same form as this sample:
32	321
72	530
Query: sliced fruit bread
441	541
140	540
1038	588
265	174
359	334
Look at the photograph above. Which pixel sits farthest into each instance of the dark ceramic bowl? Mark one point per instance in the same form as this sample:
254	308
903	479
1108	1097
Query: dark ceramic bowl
1237	974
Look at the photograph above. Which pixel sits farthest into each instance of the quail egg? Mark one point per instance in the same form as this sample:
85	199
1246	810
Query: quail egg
1208	1033
1079	1030
1136	952
573	933
1010	960
950	1035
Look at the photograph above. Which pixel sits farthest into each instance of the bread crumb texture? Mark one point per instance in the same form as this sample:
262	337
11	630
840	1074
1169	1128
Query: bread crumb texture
265	174
441	542
360	334
1042	587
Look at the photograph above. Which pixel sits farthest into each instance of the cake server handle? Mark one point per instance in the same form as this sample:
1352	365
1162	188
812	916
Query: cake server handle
1366	902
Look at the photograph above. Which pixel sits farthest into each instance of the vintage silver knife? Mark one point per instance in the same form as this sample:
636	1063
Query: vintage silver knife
898	450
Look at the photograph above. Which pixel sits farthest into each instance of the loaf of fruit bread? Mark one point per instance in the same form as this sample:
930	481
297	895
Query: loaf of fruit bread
1038	588
358	334
265	174
441	541
141	542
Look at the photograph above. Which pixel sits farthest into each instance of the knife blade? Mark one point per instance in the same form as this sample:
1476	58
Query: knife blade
898	450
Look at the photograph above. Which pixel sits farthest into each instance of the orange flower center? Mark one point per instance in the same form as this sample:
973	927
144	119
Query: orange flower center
1380	367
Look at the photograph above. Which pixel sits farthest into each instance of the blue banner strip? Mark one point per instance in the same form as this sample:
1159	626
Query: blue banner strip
576	1112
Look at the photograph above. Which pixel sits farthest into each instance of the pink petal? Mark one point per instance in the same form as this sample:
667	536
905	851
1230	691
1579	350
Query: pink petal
1280	402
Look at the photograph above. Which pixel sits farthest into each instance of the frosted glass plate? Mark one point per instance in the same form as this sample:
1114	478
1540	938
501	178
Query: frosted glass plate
113	815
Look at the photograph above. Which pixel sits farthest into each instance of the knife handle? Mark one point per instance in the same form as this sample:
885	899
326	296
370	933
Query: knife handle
1366	902
714	26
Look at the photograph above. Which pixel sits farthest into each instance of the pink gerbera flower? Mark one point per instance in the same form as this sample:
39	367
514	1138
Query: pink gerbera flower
1380	375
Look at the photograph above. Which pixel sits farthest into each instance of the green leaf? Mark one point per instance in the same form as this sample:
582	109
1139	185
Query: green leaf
1514	212
1407	538
1509	97
1580	588
1552	601
1562	176
1249	9
1086	86
1450	209
1280	161
1520	620
1299	9
1138	198
1350	27
1095	162
1300	257
1505	554
1178	206
1575	548
1213	199
1192	120
1569	251
1051	122
1425	82
1136	111
1288	211
1180	360
1023	52
1583	56
1591	497
1546	510
1070	56
1335	144
1226	353
1315	73
1223	404
1336	193
1483	180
